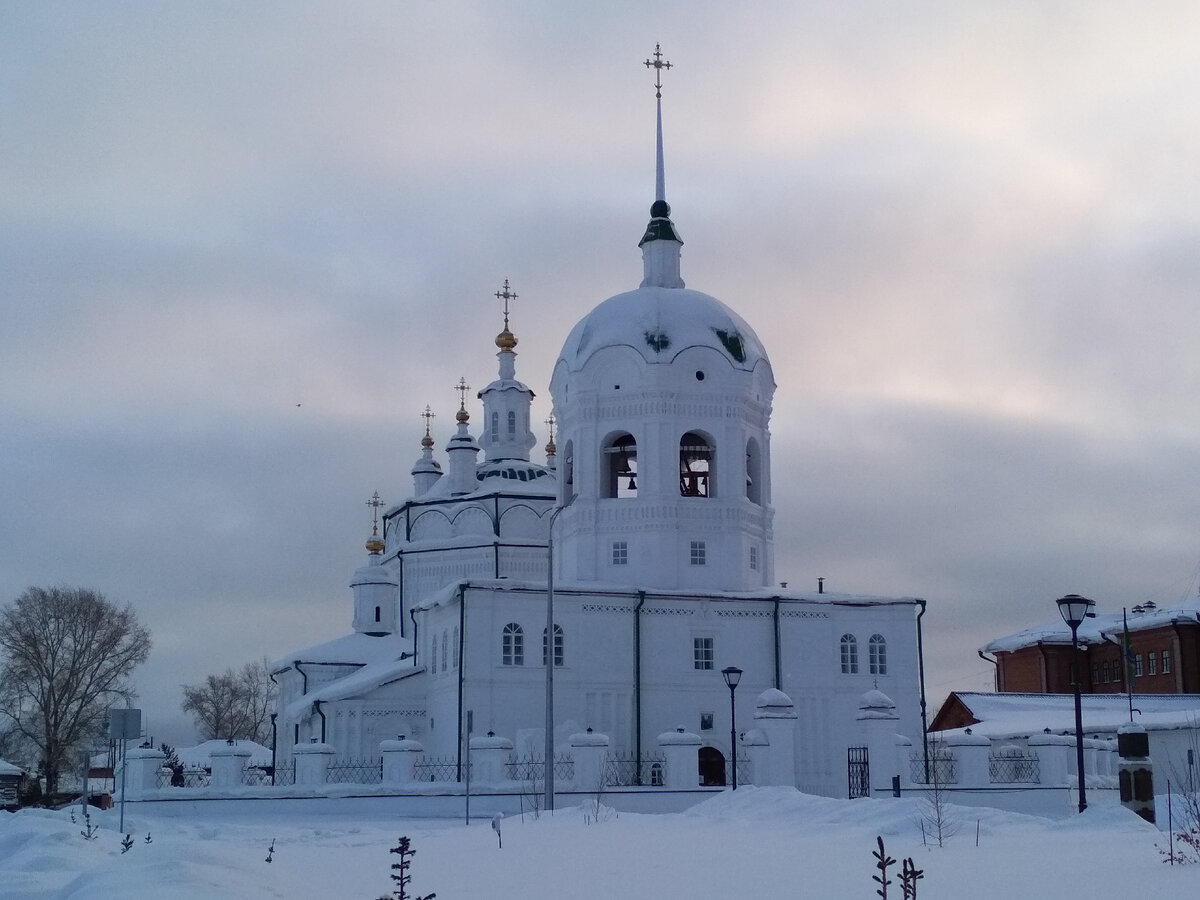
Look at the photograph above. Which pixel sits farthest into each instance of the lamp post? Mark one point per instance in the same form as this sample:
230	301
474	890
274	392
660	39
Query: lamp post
1074	610
732	675
550	651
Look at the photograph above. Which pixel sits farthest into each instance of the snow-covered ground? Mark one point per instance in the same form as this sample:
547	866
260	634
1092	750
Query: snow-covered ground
757	842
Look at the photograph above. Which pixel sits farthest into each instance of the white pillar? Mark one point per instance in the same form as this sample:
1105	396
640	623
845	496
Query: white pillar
775	717
489	758
143	765
680	749
312	763
590	751
877	722
1056	754
228	764
971	753
400	760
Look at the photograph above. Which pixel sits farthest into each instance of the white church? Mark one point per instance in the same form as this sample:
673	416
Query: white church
652	517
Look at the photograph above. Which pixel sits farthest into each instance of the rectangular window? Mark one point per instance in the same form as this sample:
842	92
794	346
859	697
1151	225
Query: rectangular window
1104	670
1153	657
1095	673
702	653
754	559
1166	661
698	555
1137	666
620	553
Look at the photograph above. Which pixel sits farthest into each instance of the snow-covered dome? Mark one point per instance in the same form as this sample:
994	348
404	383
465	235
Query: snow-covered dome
660	323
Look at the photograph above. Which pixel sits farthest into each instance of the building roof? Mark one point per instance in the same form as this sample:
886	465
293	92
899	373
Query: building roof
1012	715
1105	626
354	649
659	323
7	768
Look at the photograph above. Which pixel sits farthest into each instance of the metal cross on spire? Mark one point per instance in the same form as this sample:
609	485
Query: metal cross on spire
657	64
428	416
506	294
376	503
462	387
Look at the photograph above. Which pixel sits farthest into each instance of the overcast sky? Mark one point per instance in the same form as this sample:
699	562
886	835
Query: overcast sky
243	245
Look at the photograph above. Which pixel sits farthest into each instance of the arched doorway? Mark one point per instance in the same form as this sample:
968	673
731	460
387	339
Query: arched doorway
712	767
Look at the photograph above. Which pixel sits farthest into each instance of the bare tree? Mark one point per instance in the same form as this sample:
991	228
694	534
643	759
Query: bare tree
234	704
67	655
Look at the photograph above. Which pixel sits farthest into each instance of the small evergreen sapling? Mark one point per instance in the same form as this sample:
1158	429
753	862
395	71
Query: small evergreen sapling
126	843
400	873
909	874
90	831
882	862
271	850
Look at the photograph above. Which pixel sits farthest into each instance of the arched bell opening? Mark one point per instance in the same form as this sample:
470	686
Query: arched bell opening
695	465
620	467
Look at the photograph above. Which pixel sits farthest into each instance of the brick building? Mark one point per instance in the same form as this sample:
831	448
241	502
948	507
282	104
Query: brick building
1164	653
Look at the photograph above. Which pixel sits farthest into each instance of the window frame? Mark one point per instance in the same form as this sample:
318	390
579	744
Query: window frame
620	553
512	645
848	645
698	553
704	653
877	654
560	655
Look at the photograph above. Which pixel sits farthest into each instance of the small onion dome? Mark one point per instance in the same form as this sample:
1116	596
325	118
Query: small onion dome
506	340
462	415
427	441
375	544
551	448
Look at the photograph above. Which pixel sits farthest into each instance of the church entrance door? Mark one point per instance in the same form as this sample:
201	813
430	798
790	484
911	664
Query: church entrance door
712	767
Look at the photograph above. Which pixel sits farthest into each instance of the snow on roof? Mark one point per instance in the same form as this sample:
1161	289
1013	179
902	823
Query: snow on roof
199	757
363	681
354	649
507	476
1097	630
1012	715
7	768
658	323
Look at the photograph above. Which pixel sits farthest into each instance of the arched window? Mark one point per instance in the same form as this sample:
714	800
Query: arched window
695	466
621	467
495	426
559	656
877	654
512	648
754	476
512	423
849	654
568	469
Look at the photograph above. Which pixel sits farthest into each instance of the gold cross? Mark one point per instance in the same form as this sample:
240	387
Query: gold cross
657	64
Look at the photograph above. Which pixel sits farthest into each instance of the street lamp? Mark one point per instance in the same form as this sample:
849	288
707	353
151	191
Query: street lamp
550	651
732	675
1074	610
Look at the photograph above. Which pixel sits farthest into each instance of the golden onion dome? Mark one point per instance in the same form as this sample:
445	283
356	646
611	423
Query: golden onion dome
506	340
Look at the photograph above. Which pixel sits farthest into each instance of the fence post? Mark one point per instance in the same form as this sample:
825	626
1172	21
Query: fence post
489	755
312	763
228	765
877	721
679	749
400	760
775	720
590	751
144	765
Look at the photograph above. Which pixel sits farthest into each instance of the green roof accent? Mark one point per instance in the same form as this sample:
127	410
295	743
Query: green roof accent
732	341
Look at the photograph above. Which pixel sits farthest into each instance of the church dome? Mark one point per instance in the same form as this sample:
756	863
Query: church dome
659	323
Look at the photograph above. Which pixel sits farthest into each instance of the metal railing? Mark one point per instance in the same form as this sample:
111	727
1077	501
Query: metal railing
943	768
623	770
355	771
532	766
1014	768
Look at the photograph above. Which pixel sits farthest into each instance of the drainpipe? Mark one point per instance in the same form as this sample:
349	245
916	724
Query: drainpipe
412	614
921	671
317	710
637	684
778	672
996	663
462	599
303	674
274	740
1177	648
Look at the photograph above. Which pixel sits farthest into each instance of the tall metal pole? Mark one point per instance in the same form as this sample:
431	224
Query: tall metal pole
1078	716
733	733
549	801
